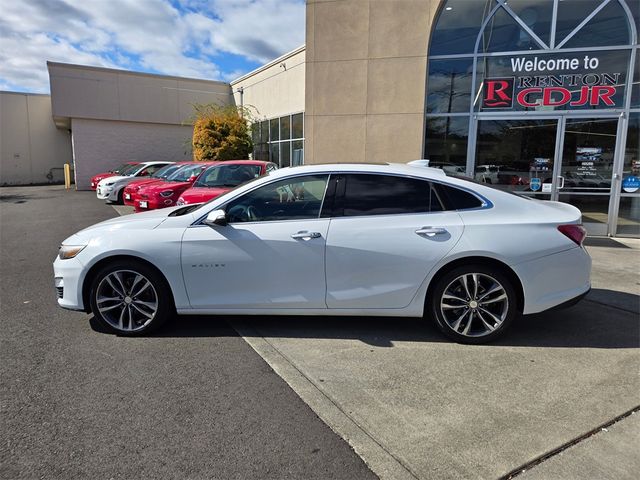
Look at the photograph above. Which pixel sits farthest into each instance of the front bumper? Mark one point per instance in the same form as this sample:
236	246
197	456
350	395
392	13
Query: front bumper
68	278
103	192
144	204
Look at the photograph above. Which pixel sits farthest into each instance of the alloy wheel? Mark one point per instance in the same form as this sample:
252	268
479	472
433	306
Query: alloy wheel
474	304
126	300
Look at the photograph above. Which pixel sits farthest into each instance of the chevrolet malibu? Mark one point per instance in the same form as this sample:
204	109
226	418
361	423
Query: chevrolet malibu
387	240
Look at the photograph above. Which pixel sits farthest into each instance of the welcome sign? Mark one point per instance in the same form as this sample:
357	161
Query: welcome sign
548	83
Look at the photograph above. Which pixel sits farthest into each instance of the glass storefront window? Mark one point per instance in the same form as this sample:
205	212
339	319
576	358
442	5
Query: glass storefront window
570	14
285	128
503	33
297	125
449	88
554	81
629	212
285	154
274	130
552	86
536	15
635	90
588	154
274	153
297	153
510	153
608	27
446	143
458	26
264	131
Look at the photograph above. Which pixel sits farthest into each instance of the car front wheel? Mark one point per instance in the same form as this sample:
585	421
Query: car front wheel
130	298
473	304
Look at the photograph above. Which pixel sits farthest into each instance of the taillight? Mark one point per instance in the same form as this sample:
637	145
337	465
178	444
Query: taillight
577	233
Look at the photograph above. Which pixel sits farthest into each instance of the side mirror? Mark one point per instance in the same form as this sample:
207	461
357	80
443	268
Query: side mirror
216	217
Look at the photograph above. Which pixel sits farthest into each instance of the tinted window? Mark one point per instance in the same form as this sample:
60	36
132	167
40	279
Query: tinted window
386	195
185	173
227	175
289	199
150	170
457	199
166	171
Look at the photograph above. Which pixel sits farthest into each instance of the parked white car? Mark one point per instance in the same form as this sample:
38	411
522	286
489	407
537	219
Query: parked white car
112	188
390	240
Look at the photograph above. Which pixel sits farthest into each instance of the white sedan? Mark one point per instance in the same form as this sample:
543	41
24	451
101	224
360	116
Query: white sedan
388	240
112	188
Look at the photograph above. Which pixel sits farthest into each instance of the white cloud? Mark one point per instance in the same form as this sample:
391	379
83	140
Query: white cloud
188	40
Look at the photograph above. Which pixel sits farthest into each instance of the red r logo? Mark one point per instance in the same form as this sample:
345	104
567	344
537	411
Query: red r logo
498	93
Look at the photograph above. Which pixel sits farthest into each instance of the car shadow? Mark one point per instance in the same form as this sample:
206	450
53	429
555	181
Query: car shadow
589	324
14	198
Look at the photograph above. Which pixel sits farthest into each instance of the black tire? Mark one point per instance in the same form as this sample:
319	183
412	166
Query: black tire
126	311
480	318
120	200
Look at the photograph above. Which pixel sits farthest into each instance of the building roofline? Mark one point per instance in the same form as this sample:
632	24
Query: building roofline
270	64
130	72
25	93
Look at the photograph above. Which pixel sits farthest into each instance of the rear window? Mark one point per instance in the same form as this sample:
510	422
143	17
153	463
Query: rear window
457	199
388	195
230	175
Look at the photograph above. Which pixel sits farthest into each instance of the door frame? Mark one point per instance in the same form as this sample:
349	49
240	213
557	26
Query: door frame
561	119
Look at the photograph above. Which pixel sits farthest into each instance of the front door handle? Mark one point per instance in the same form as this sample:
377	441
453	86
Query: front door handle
431	231
561	180
306	235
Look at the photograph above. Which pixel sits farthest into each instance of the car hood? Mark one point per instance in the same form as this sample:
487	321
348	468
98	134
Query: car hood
113	178
202	194
144	182
139	221
162	186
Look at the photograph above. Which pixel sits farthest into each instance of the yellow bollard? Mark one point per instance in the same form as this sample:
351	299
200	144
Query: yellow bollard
67	176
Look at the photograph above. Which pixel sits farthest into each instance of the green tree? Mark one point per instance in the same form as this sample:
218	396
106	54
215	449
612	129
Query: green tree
221	133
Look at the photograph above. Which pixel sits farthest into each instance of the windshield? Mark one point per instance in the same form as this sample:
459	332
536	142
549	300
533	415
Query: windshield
185	173
167	171
129	169
120	168
228	175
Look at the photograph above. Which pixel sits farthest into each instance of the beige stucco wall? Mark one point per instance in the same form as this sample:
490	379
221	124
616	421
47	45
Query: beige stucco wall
100	93
275	89
32	149
366	65
99	145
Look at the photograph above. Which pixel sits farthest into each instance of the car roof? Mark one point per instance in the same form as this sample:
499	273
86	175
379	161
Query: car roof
388	168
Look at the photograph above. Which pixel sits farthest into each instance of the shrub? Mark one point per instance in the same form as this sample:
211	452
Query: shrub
221	133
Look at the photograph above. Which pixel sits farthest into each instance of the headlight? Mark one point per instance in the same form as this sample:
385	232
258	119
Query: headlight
69	251
181	201
108	184
166	193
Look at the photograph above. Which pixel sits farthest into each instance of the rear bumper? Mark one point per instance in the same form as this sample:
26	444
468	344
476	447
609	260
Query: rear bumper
554	280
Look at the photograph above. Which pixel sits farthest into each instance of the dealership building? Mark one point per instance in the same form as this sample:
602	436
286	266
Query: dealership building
540	97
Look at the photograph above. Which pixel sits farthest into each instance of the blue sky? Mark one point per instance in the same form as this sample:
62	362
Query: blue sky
211	39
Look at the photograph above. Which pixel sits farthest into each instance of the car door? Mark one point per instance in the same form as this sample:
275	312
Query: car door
270	255
387	233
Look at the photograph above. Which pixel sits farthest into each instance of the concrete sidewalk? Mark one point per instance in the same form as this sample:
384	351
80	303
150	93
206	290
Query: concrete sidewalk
415	405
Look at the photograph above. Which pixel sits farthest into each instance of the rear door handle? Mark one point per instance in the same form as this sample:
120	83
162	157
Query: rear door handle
431	231
306	235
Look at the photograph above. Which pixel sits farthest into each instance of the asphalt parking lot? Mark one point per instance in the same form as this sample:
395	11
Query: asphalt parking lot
193	402
255	397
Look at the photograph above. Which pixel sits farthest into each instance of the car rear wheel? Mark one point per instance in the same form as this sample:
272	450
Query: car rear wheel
473	304
130	298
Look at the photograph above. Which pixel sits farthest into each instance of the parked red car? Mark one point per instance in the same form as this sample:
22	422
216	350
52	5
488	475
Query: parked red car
222	177
130	194
121	170
165	193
